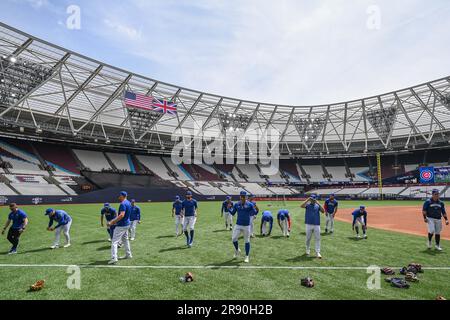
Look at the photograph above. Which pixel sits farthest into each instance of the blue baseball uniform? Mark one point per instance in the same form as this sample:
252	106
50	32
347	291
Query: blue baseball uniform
245	213
266	218
226	213
359	217
178	206
312	221
61	217
179	219
135	218
330	207
110	214
434	211
18	223
189	207
125	206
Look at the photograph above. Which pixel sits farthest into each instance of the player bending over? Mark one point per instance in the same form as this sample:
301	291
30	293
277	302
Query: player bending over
224	213
360	220
64	222
266	218
284	221
190	213
245	210
108	213
177	207
135	219
19	220
330	206
433	211
121	226
251	198
312	221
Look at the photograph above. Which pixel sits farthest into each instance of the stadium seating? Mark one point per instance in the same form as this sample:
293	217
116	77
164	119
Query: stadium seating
351	191
155	165
121	161
68	189
230	188
315	172
386	190
282	190
25	179
420	192
31	189
291	169
201	172
360	174
338	174
92	160
6	191
205	188
60	157
324	192
24	167
180	172
256	189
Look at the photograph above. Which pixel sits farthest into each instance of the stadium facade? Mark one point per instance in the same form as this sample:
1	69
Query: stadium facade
73	129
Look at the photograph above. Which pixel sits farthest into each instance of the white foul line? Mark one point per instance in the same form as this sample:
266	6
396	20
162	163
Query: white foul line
87	266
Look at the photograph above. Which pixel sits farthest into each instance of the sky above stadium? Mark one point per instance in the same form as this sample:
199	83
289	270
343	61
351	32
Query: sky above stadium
285	51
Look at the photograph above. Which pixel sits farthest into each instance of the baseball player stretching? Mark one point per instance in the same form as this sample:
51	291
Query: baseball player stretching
190	213
19	221
177	207
312	221
108	213
266	218
251	198
121	226
330	206
245	210
284	221
135	219
64	223
360	220
224	213
433	211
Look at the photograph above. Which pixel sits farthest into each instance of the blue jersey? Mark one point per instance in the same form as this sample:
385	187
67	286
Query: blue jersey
18	219
357	214
189	207
312	214
225	206
61	217
135	213
109	213
244	212
267	217
125	206
256	207
434	209
330	205
177	205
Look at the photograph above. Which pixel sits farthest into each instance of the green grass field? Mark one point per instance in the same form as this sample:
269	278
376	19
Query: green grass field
157	246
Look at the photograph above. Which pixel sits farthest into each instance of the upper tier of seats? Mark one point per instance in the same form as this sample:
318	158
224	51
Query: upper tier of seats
92	160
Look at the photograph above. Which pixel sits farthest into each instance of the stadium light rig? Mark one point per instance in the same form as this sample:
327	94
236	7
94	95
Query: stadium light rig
309	129
231	122
382	121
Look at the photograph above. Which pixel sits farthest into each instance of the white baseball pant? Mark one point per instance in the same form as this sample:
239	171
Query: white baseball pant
133	226
310	230
265	227
179	221
189	222
238	230
228	218
285	227
434	226
66	230
120	235
252	224
330	222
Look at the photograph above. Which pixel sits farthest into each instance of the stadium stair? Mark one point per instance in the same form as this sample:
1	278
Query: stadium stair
39	157
304	174
111	163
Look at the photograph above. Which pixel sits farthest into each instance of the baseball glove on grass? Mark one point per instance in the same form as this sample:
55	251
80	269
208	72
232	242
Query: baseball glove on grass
440	298
387	271
189	277
38	285
398	283
415	267
307	282
411	277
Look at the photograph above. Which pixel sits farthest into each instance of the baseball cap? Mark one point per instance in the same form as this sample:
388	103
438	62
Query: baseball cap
48	211
228	198
177	197
332	195
124	193
189	193
243	193
362	207
106	205
435	191
313	196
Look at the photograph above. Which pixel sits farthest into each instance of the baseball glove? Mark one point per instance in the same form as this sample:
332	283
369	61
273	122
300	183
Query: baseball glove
440	298
416	266
189	277
411	277
398	283
38	285
387	271
307	282
403	270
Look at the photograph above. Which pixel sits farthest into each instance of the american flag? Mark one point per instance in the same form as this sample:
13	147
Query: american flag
141	101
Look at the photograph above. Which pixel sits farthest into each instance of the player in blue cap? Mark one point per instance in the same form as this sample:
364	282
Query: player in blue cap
433	211
266	218
64	222
122	226
190	214
312	222
360	220
330	206
225	213
135	219
283	219
108	213
177	207
19	221
245	210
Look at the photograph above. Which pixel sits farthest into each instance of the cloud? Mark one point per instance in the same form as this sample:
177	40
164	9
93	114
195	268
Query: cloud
123	30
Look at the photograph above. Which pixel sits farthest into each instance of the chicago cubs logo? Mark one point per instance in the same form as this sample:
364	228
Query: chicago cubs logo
426	175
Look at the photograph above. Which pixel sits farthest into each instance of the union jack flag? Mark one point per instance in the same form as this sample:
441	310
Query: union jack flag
141	101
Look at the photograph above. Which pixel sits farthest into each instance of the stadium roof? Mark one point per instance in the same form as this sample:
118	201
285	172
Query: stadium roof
80	99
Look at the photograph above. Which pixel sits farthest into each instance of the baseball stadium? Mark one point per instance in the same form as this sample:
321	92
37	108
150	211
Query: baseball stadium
79	138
